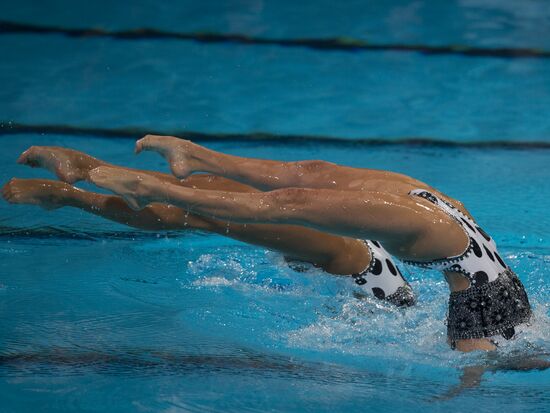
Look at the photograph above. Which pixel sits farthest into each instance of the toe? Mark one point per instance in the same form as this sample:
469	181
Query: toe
146	143
8	185
5	192
151	143
11	195
24	157
31	156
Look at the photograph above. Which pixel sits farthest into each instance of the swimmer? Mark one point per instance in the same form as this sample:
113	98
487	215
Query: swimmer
347	221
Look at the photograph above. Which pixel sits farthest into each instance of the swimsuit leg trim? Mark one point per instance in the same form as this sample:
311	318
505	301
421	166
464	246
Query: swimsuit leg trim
403	297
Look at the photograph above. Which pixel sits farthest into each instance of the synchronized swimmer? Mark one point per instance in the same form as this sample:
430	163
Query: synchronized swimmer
347	221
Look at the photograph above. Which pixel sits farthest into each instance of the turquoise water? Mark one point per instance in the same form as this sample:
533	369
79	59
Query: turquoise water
96	316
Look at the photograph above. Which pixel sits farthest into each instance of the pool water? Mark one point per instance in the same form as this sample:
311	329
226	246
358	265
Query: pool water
97	316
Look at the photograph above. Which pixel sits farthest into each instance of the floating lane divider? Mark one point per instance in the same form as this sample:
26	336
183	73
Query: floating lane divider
343	44
8	128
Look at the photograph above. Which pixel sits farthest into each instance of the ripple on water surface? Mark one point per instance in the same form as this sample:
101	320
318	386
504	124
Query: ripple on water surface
206	317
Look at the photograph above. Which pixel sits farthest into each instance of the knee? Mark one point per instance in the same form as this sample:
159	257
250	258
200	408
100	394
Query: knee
289	198
347	256
281	205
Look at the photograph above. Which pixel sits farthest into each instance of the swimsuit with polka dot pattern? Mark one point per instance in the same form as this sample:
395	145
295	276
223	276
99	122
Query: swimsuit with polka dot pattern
383	279
480	262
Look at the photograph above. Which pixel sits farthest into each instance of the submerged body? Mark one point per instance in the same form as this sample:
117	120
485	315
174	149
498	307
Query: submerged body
348	221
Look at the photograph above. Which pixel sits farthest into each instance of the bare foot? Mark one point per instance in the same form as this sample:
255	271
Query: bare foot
180	153
45	193
130	185
68	165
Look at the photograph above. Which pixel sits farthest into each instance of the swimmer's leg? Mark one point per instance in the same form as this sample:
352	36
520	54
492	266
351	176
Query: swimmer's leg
186	157
72	166
50	195
335	254
389	218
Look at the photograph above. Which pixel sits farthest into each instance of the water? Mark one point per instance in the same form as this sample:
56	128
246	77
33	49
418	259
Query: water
234	88
94	314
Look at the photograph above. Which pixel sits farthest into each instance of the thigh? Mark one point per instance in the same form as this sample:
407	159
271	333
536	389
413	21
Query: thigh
334	253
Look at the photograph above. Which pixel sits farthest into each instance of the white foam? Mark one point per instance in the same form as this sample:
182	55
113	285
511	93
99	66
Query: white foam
213	282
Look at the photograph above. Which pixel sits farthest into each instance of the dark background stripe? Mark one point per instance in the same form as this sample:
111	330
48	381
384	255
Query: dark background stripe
343	44
10	128
77	234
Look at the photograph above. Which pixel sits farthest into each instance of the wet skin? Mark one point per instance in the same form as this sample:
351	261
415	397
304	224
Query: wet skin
311	210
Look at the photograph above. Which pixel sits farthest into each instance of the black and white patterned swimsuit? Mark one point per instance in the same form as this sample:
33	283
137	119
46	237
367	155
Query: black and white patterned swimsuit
480	262
496	301
383	279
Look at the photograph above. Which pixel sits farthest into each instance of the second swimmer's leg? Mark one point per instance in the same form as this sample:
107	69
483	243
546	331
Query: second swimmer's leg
50	194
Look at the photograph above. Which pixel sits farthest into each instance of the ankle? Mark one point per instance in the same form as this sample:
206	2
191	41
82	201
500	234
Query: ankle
88	164
151	190
205	160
